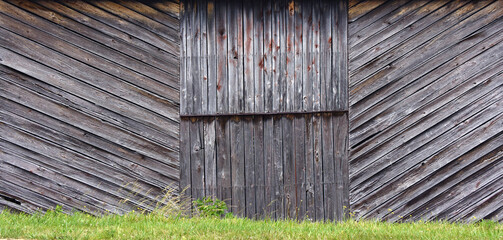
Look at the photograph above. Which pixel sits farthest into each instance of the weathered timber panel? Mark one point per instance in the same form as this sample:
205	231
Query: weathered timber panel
262	164
247	57
265	100
89	104
426	114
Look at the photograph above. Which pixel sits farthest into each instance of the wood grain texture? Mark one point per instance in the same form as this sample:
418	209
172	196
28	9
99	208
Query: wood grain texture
268	57
89	109
269	63
425	109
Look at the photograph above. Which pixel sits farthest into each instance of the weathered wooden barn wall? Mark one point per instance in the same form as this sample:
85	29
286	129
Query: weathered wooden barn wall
426	113
89	103
264	103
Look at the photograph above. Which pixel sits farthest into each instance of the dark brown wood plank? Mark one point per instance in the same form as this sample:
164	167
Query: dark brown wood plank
269	45
290	55
299	56
325	23
329	187
316	57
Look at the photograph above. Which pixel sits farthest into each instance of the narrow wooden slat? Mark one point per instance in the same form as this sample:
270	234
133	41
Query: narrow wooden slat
224	190
237	162
278	168
196	159
185	177
202	11
288	172
259	57
329	187
326	99
234	56
260	165
221	51
210	158
310	170
319	195
341	174
307	57
299	56
269	45
249	169
184	61
299	138
339	73
212	57
270	180
276	67
289	100
249	56
316	56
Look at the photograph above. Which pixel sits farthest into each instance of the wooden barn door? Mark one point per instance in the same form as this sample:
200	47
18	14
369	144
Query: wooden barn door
264	106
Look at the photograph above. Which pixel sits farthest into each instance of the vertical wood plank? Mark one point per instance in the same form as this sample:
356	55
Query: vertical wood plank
224	189
210	160
340	124
212	57
340	55
269	45
276	56
315	49
196	158
290	56
260	164
189	25
299	56
249	166
202	11
289	170
197	80
221	48
309	158
237	166
270	180
249	67
299	132
328	166
183	62
325	55
258	53
307	58
234	56
185	157
278	167
318	168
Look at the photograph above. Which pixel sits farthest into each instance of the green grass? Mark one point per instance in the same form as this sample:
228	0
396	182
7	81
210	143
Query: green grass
56	225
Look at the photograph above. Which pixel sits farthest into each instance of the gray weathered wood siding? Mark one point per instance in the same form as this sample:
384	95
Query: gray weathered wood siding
426	113
89	104
264	106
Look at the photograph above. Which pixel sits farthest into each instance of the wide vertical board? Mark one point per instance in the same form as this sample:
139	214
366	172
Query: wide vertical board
89	105
425	84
